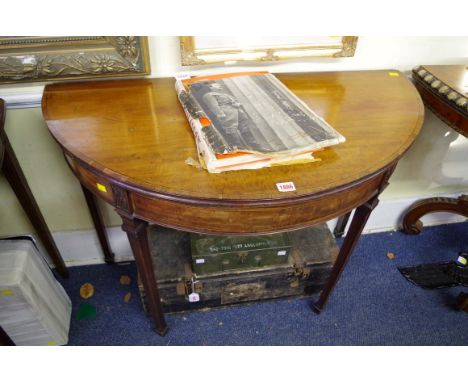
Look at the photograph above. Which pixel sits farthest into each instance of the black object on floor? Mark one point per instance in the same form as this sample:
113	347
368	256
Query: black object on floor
437	275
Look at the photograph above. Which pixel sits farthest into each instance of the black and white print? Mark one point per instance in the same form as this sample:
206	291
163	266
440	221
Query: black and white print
257	113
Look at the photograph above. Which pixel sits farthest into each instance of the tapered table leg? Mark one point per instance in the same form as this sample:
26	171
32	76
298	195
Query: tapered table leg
341	225
357	225
136	230
96	215
17	180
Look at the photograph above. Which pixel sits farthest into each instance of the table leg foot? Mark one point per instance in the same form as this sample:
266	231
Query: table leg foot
317	308
162	332
110	260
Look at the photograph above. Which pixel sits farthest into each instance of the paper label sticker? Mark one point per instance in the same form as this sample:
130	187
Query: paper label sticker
182	76
281	253
286	187
6	292
394	74
200	261
101	187
194	297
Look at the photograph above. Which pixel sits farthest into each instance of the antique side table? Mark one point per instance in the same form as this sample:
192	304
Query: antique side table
444	90
127	141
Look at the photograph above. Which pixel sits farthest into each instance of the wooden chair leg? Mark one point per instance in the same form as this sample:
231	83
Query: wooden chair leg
17	180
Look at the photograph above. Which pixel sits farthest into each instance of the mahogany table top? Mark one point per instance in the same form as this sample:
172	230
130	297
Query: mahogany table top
136	133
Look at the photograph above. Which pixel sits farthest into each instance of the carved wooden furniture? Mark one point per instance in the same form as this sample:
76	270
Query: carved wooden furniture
443	89
17	180
127	142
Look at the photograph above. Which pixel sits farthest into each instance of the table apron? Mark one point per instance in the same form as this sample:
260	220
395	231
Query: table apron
245	220
224	218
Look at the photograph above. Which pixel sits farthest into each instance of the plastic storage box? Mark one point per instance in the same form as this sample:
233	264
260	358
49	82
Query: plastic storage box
34	308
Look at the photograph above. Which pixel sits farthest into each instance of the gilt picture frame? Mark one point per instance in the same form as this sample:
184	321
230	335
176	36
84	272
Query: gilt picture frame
38	58
202	50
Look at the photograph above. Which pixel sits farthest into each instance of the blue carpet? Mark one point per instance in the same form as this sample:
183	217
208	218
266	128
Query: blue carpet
372	304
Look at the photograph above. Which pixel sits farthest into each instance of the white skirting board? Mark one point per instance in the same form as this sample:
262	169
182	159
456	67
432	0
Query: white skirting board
82	247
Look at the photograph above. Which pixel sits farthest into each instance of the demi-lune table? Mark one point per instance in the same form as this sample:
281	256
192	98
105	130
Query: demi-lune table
127	141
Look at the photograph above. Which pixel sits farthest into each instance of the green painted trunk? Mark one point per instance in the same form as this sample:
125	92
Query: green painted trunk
309	265
218	254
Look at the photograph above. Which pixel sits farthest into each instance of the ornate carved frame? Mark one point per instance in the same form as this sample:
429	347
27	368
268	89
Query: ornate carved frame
27	59
191	55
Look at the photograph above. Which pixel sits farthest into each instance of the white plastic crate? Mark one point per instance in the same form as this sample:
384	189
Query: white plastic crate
34	307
